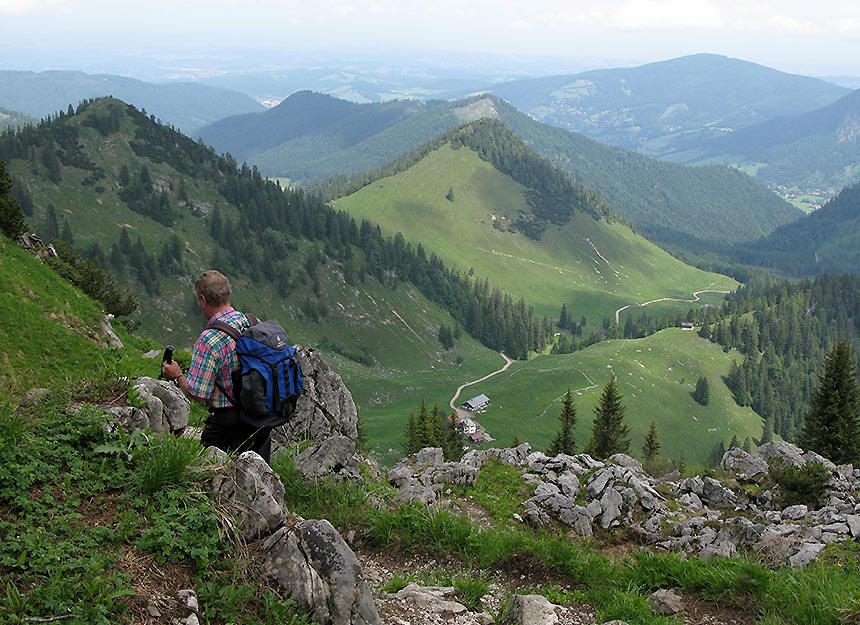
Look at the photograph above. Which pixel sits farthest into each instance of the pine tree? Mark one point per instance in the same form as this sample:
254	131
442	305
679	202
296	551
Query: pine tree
610	434
12	222
412	443
702	394
832	426
651	447
564	442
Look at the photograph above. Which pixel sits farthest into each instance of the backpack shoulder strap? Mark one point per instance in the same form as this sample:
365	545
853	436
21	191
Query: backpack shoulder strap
229	330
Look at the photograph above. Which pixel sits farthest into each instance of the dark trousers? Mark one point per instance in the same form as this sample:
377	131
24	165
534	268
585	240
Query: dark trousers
225	430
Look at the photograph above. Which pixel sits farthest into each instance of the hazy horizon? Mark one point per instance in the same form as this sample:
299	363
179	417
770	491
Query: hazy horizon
164	40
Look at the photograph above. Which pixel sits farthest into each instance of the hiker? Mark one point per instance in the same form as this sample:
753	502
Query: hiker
209	379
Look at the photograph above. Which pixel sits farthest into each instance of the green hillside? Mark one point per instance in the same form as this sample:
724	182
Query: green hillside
816	149
656	377
311	136
670	204
826	241
593	265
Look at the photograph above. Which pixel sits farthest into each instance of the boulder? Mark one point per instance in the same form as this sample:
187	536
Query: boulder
164	404
320	573
807	553
530	610
438	600
744	465
251	494
626	461
666	602
780	450
853	521
332	456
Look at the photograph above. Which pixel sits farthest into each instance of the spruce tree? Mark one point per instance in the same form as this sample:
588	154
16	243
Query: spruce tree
564	442
651	447
610	434
412	442
12	222
832	425
702	394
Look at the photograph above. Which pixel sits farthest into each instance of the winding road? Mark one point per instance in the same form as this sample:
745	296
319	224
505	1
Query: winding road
666	299
460	412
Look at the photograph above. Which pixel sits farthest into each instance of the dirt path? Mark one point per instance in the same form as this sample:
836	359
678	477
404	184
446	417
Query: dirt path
462	413
666	299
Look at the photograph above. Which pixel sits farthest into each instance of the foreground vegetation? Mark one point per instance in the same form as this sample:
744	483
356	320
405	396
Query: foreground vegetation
106	519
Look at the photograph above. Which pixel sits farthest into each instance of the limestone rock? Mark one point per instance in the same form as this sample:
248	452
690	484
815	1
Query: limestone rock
164	404
326	407
332	456
434	600
531	610
807	553
744	465
791	454
317	569
252	494
666	602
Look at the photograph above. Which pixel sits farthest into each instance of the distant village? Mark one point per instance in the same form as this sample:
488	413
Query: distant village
813	198
470	427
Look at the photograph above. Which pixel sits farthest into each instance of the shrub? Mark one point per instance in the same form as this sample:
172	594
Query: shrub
799	485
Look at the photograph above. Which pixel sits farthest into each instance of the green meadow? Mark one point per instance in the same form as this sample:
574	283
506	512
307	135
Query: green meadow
656	376
594	266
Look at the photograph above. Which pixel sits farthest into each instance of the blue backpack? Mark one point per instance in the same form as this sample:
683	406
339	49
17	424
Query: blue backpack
269	379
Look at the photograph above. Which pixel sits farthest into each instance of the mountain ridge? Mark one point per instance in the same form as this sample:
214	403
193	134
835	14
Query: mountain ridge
187	106
642	108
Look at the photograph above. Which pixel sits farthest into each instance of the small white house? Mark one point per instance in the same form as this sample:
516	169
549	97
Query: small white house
468	426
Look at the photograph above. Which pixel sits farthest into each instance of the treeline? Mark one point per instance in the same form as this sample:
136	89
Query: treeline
784	331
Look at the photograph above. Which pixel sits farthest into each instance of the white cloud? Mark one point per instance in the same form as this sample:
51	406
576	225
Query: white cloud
23	7
667	15
792	25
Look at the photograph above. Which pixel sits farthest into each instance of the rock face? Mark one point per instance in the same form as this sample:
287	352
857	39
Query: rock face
164	408
317	570
325	408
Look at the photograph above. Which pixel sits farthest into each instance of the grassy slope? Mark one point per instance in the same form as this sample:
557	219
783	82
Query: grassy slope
50	331
656	377
564	267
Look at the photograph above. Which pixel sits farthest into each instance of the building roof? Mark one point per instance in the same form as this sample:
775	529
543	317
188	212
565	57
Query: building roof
480	400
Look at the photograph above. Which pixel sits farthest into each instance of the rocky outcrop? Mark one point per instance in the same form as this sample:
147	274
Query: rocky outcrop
162	407
699	515
421	476
326	407
307	559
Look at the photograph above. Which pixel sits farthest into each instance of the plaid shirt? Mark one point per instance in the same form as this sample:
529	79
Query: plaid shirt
213	359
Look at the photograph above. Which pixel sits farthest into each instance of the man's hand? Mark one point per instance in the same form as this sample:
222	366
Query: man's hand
171	370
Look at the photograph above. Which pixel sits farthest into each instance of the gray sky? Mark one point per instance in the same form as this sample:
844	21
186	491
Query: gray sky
798	36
